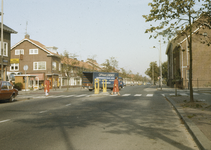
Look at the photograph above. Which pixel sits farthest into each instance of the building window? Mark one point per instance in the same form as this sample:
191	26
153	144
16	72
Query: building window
39	65
59	66
14	67
5	49
33	51
54	65
19	51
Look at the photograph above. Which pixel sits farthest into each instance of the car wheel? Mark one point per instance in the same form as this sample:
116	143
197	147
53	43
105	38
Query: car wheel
12	98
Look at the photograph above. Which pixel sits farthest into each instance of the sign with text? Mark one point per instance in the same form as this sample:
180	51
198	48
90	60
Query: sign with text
14	61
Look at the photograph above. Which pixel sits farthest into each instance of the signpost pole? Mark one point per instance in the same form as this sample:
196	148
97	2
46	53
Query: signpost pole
25	67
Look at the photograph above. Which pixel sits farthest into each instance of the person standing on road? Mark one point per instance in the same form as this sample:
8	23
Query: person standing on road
116	86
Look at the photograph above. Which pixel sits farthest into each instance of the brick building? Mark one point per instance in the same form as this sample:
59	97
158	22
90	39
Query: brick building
42	61
7	31
179	58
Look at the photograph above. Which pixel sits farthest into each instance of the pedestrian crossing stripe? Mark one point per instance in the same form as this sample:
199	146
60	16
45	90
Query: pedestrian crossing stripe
183	94
87	95
126	94
138	95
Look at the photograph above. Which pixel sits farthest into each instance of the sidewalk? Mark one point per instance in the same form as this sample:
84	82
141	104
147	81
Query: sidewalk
196	117
51	91
31	94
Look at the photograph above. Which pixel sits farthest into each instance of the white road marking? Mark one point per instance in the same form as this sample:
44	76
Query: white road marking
195	94
126	94
201	100
41	97
149	95
81	95
114	95
69	96
138	95
68	104
43	111
4	121
163	95
183	94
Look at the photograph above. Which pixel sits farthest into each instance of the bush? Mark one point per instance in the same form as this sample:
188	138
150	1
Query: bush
18	86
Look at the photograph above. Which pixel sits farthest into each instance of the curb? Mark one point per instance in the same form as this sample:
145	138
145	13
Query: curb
201	140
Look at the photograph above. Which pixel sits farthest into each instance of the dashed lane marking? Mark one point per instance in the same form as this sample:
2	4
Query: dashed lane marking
149	95
68	104
43	111
4	121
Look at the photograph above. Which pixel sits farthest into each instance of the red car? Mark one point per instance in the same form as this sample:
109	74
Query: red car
7	92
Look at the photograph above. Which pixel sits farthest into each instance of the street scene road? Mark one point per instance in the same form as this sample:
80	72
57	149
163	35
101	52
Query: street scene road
141	118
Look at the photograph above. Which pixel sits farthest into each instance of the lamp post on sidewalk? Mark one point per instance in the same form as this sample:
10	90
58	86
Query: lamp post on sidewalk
2	52
160	64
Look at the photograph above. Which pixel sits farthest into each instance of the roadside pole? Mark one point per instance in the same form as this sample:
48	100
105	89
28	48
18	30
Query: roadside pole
2	45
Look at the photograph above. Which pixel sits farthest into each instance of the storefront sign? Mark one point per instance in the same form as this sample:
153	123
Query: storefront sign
14	61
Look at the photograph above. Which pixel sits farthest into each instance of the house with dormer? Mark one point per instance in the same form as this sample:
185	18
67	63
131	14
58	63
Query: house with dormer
42	61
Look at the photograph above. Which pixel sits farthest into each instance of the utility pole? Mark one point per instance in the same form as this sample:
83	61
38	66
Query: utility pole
160	66
2	45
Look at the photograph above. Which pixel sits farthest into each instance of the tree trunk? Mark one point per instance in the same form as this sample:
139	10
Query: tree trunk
68	82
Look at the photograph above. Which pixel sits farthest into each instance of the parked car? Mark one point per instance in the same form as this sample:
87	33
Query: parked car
7	92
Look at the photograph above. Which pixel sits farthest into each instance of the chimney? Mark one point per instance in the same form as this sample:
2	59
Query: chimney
27	36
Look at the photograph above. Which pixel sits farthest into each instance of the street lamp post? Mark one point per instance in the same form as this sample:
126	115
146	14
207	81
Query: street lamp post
2	66
160	64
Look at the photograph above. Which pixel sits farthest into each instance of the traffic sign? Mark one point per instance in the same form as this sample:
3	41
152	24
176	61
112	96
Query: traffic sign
25	67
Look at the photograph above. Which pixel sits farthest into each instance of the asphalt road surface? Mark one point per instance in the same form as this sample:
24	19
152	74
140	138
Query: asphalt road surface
140	119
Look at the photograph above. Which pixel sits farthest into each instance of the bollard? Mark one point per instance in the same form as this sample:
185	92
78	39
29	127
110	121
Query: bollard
97	86
104	85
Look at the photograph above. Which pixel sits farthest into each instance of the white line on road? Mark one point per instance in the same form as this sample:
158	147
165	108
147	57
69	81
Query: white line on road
43	111
69	96
149	95
183	94
81	95
68	104
138	95
126	94
4	120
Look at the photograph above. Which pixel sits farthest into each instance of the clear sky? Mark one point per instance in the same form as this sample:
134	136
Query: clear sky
87	28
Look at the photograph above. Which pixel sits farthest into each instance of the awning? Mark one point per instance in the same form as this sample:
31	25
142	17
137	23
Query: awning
40	76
